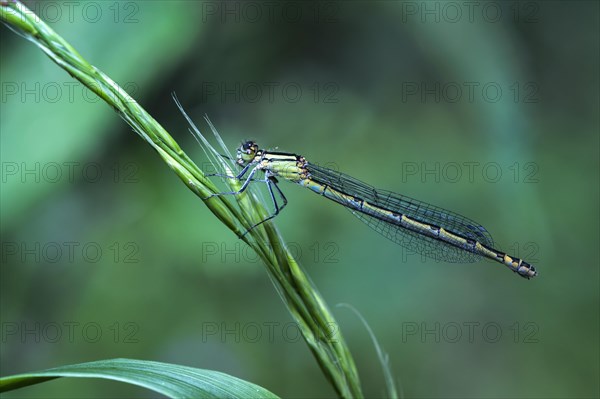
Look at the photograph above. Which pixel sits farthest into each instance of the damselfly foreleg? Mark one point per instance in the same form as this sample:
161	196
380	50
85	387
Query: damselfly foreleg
239	177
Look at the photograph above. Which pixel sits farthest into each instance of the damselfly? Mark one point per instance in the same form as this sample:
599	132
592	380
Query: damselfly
416	225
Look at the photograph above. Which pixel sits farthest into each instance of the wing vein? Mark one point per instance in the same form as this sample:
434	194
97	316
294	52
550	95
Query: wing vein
418	210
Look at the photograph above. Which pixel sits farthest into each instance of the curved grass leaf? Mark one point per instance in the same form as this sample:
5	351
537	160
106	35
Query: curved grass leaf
171	380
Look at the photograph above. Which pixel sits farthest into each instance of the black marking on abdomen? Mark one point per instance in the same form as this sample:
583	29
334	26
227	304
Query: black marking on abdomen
472	244
361	202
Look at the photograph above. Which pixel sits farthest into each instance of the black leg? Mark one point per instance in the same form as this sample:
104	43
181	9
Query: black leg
244	186
270	183
220	175
285	201
243	171
239	176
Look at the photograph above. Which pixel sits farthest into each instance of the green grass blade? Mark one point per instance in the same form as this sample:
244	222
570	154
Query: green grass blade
170	380
383	357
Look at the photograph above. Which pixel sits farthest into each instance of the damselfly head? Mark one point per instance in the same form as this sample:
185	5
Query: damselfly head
246	152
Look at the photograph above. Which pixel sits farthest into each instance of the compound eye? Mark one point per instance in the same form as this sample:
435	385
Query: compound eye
247	146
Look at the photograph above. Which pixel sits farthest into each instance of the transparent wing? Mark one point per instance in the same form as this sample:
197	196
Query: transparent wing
415	209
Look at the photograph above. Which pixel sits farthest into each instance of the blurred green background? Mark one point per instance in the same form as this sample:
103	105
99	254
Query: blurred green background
487	109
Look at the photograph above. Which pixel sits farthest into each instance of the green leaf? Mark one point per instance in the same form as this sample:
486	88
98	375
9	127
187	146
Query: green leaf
168	379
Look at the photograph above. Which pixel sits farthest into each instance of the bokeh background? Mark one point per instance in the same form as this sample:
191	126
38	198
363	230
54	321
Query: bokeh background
488	109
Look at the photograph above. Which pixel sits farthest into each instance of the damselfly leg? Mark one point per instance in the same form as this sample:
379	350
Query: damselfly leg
238	177
269	180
